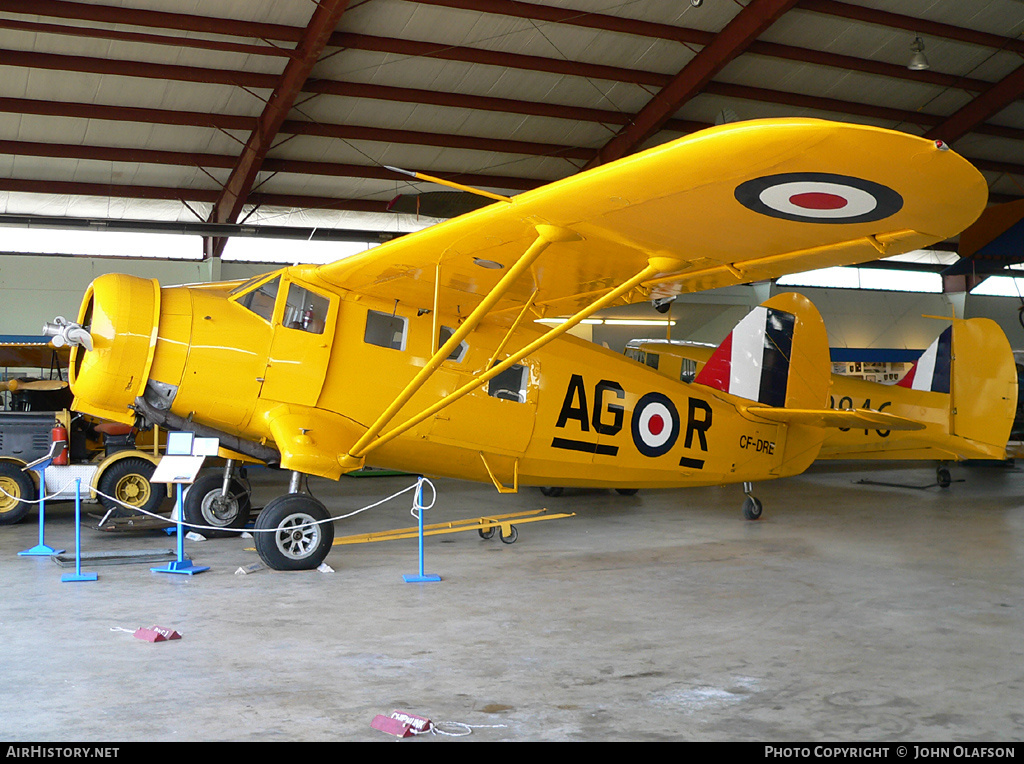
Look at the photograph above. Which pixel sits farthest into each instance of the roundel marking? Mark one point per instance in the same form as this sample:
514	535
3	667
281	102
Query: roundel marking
819	197
655	425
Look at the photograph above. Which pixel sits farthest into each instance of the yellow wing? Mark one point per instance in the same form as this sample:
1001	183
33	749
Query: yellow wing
733	204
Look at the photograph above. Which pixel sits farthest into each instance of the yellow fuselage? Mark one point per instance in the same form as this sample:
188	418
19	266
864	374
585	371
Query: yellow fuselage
570	414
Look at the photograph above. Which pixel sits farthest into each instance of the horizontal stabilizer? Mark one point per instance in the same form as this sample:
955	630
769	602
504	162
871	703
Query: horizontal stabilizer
843	419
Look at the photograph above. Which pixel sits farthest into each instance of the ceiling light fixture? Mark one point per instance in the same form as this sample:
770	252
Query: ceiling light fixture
918	61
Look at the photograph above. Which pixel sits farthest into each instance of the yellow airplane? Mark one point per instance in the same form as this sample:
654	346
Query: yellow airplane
962	390
423	354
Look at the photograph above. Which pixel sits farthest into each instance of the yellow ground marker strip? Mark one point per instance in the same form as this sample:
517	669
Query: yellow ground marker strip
458	526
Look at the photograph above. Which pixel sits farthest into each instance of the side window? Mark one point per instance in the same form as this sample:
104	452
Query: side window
688	371
305	310
385	330
652	360
460	352
261	299
509	385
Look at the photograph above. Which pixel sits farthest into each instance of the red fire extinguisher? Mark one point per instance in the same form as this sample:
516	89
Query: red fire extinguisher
59	434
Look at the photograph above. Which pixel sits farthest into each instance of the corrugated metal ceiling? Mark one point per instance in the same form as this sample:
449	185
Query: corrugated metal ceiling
286	112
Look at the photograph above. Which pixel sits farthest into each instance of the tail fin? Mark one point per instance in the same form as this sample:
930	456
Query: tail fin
962	390
776	356
983	399
932	371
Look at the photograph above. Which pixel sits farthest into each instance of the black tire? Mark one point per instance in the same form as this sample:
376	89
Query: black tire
204	505
943	477
486	534
627	491
513	534
291	533
19	486
551	490
752	508
128	482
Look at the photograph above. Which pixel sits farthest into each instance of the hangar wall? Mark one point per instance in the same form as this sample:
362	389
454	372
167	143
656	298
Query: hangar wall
36	288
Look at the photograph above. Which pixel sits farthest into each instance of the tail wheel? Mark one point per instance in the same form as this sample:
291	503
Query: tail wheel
16	486
293	532
124	488
752	508
205	505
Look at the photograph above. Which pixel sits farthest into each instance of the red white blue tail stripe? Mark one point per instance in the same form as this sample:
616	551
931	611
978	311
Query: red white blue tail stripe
931	372
753	361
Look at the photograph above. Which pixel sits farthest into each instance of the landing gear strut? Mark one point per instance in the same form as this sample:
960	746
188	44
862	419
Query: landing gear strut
218	501
751	505
294	531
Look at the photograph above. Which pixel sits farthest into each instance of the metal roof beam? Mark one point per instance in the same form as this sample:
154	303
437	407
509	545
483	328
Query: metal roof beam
221	161
117	15
989	103
321	25
204	196
727	45
258	81
176	41
912	24
144	69
688	36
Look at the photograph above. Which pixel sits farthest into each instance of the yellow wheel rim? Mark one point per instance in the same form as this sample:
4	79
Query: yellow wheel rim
10	498
133	490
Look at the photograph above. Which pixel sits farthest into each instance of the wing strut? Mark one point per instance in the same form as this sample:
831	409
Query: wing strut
656	265
546	235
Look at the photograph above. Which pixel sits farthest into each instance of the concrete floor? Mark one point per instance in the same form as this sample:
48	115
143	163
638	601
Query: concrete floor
849	612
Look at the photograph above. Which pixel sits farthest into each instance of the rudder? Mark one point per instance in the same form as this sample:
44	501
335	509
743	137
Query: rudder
777	355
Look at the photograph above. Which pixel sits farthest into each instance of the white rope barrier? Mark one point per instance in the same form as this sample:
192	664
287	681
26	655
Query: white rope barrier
193	526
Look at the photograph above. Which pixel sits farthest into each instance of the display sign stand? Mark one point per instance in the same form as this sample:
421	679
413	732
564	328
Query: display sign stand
39	466
422	577
180	466
78	575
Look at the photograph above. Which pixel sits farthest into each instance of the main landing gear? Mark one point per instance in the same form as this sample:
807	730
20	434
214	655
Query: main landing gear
294	531
218	501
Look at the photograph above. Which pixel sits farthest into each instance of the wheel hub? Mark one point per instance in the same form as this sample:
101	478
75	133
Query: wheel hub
298	536
11	494
219	508
132	490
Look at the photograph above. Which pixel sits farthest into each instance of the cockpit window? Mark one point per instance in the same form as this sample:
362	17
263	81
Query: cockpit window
261	299
246	284
305	310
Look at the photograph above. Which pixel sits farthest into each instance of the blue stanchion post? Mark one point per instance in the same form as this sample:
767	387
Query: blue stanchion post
182	565
41	549
78	575
422	577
